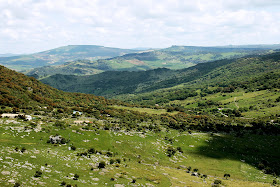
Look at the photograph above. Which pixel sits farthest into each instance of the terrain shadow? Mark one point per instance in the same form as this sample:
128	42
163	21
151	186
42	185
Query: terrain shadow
260	151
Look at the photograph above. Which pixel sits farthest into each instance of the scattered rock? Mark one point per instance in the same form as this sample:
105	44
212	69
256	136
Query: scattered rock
5	173
119	185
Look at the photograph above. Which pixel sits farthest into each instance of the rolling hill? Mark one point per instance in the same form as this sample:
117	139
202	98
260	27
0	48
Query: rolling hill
175	57
111	143
114	83
61	55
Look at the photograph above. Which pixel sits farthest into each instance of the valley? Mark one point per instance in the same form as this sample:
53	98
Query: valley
215	123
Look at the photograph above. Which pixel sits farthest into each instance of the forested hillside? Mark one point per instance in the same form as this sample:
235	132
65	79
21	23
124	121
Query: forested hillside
75	138
222	72
19	91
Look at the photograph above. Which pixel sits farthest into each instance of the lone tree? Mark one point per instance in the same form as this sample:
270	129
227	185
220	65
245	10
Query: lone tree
226	175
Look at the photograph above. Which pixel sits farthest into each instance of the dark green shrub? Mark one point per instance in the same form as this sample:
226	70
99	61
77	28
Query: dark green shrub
179	149
112	161
216	181
17	184
73	147
101	164
63	183
23	149
109	154
76	176
91	151
170	151
38	174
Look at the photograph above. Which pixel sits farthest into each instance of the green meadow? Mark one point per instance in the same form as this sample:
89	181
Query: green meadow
131	158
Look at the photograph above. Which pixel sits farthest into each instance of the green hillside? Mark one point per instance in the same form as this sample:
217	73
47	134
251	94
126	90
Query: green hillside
110	142
175	57
61	55
248	87
125	82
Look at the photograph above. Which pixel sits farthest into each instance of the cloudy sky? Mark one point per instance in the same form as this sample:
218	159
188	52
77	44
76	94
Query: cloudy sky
28	26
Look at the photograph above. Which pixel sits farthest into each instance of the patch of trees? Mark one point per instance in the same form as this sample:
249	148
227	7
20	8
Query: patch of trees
94	151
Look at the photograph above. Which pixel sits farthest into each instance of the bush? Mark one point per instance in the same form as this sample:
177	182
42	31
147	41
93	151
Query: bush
17	184
170	151
91	151
73	148
63	183
76	176
109	154
38	174
216	181
179	149
118	160
101	164
23	149
112	161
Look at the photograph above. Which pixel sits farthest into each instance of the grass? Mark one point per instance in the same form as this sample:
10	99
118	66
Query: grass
258	103
144	153
145	110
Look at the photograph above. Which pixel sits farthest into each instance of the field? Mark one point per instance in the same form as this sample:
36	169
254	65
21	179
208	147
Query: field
137	158
252	104
145	110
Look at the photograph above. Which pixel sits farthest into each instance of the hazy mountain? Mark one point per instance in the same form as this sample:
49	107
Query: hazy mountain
8	55
175	57
61	55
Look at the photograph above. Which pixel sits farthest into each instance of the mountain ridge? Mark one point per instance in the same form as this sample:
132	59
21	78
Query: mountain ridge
61	55
174	57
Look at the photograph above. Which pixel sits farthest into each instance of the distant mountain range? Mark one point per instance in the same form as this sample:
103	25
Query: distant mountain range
175	57
61	55
112	83
8	55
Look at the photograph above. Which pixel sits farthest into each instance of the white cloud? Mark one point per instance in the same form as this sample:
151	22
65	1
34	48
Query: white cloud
45	24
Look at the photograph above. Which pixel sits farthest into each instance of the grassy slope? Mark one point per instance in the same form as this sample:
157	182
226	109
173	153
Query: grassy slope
213	155
263	103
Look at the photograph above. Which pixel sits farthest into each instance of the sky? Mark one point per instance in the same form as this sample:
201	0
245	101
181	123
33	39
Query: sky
28	26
